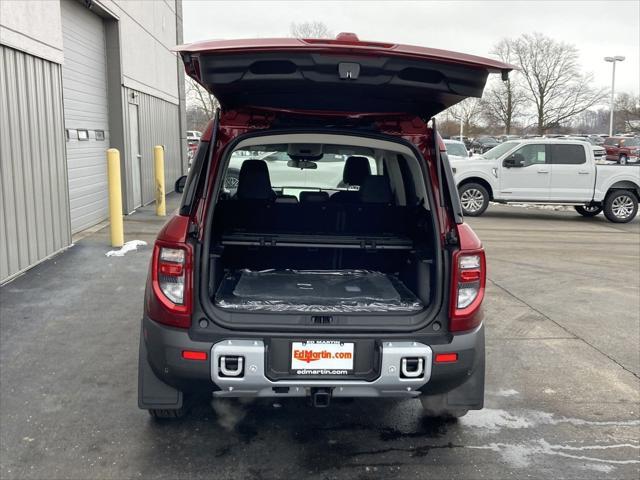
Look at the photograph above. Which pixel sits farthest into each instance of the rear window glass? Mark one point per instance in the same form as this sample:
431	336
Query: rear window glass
456	149
290	176
611	141
567	154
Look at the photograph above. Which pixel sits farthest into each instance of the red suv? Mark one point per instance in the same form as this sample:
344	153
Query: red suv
338	263
623	149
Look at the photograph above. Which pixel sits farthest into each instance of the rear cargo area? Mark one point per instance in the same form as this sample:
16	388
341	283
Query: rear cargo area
315	291
346	250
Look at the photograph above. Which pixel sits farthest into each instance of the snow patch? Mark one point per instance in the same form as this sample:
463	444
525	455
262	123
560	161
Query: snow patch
520	455
493	420
126	248
508	392
556	208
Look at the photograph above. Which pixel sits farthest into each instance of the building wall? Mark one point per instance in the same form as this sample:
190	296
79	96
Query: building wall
34	202
149	29
155	76
33	26
158	122
34	196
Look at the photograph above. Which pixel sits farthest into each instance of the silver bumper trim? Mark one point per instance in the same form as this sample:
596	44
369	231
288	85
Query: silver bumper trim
254	382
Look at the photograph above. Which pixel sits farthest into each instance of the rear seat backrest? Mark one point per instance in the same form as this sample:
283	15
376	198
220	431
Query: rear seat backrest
375	213
376	189
314	197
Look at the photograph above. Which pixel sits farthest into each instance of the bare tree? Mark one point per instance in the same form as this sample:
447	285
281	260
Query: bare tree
198	98
627	112
468	112
313	29
503	101
553	79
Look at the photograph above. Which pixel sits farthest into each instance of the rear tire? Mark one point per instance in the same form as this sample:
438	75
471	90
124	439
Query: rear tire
588	211
623	160
620	206
474	199
436	407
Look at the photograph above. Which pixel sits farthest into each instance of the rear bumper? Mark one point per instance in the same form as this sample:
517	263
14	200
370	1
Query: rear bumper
161	350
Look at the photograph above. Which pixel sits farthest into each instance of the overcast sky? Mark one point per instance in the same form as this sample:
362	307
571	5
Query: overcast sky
598	28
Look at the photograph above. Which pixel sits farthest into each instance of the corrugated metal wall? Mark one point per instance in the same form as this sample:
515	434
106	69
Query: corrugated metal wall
158	122
34	203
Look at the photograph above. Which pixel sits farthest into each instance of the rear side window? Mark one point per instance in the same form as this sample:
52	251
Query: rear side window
567	154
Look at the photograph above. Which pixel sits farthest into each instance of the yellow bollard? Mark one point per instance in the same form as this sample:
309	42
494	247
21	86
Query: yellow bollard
158	167
115	197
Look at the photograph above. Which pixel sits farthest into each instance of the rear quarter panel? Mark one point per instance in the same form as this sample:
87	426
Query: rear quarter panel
608	176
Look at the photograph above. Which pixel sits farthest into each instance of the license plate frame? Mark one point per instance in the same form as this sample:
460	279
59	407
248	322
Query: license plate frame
322	357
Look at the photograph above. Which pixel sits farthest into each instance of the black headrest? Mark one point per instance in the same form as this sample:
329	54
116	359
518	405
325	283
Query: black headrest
316	197
356	169
254	182
376	189
286	199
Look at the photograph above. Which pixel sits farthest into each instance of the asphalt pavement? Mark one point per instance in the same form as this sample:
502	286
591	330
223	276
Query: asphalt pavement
562	399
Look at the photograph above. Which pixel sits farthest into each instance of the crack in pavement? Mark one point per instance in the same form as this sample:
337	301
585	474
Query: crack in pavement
513	295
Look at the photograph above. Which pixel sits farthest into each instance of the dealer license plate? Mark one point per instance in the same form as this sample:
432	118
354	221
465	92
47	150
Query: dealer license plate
322	357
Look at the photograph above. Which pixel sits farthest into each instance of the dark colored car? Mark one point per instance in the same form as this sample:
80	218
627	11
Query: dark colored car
483	144
623	149
344	271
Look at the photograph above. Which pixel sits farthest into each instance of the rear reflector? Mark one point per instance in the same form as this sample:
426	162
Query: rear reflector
194	355
446	357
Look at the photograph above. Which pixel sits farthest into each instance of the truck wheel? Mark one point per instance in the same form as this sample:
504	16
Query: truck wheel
623	160
474	199
620	206
588	210
435	406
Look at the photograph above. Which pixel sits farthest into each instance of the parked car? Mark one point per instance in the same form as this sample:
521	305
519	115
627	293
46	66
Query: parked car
548	171
504	138
194	135
299	284
623	150
456	149
483	144
591	138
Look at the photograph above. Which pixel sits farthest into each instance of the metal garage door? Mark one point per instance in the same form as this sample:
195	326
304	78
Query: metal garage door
86	118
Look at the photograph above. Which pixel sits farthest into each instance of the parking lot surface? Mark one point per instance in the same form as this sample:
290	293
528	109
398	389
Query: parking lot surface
562	400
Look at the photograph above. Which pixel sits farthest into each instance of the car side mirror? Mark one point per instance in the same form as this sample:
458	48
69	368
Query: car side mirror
179	185
514	161
470	153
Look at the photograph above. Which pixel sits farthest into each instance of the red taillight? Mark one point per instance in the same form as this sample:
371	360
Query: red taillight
194	355
467	289
446	357
171	278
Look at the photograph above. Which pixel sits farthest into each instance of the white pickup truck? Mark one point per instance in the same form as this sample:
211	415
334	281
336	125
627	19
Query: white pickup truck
547	171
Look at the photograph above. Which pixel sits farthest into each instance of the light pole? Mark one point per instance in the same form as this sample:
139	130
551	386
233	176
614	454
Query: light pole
613	60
